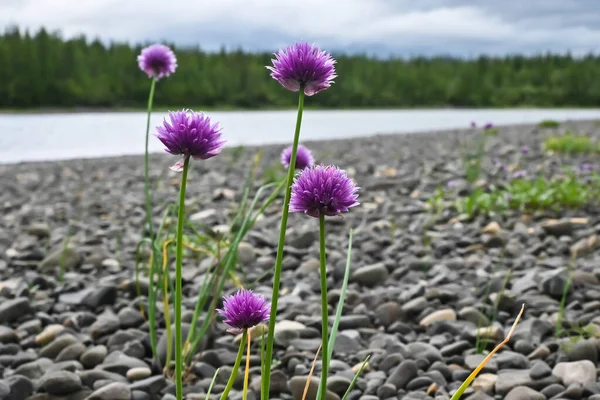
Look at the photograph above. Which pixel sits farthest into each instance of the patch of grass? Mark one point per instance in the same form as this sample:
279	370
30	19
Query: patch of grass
557	193
236	154
491	131
273	173
549	124
570	143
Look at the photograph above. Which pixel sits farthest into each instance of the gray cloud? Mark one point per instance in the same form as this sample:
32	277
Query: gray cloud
382	27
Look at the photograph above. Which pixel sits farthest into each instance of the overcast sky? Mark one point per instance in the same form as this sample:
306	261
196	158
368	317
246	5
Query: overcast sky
400	27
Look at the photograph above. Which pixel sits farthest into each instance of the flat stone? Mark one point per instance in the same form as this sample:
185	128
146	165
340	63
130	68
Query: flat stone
21	386
524	393
120	363
297	384
540	370
151	385
581	372
94	356
138	373
71	352
52	349
67	257
403	373
11	310
511	378
48	334
415	305
112	391
88	377
584	350
446	314
370	275
60	382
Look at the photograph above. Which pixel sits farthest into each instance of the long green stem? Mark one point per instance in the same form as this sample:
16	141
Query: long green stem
147	162
236	367
266	381
152	300
178	284
324	310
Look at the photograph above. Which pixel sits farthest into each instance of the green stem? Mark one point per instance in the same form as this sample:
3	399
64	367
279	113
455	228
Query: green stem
147	162
266	381
178	284
152	299
324	310
236	367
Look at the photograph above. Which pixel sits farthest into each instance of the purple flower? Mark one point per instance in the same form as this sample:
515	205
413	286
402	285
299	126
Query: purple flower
453	184
323	190
586	167
473	124
519	174
190	134
524	149
157	61
487	126
304	158
303	65
243	310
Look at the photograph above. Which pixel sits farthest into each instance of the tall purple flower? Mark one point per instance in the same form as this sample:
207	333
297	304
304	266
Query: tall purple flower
157	61
244	309
487	126
323	190
304	157
188	134
303	65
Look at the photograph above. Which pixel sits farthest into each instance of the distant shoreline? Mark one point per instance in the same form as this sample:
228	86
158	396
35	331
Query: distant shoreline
101	110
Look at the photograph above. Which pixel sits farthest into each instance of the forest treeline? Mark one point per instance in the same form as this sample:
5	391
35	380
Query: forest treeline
44	70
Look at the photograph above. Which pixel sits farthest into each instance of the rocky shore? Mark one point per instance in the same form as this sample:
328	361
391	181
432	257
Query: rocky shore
422	295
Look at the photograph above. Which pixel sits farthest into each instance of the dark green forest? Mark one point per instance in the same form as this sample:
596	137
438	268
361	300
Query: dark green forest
43	70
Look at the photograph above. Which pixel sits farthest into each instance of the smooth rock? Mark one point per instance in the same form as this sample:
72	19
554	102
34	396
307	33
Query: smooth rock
370	275
446	314
60	382
112	391
297	384
581	372
11	310
403	373
94	356
68	258
524	393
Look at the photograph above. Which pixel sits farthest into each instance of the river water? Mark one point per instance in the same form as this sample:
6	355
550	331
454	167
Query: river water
32	137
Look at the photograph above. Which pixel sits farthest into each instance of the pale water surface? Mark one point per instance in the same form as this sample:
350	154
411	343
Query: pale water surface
32	137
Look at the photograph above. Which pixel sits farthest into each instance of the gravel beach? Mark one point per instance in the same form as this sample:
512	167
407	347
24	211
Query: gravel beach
422	292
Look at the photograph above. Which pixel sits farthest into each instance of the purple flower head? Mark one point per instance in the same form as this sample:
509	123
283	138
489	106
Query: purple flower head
487	126
453	184
473	124
304	157
157	61
243	310
304	65
586	167
190	133
519	174
323	190
524	149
